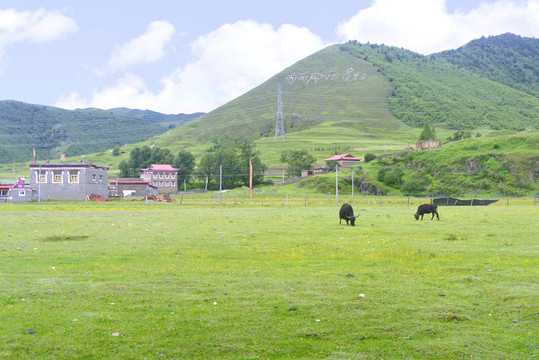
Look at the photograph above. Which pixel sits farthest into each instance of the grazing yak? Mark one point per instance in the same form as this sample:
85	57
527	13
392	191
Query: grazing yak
347	213
427	209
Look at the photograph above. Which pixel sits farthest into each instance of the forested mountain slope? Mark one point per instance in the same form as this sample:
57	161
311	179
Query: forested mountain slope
509	59
434	88
54	131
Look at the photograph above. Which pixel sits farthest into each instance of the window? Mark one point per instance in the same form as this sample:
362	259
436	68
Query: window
57	177
167	176
160	176
173	183
173	176
22	193
94	177
73	177
100	177
43	177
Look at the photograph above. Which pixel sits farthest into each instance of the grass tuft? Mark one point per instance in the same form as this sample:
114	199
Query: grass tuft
65	238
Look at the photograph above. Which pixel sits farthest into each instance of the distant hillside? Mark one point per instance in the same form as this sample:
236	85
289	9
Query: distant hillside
53	131
156	117
509	59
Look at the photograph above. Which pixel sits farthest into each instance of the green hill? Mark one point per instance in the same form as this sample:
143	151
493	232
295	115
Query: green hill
330	99
53	131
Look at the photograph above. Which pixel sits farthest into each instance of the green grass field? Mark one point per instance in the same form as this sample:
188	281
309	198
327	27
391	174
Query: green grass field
130	280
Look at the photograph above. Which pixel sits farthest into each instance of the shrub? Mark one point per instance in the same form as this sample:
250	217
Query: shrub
369	157
411	187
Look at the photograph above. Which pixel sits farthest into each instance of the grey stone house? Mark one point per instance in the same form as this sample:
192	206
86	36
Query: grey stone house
20	192
68	181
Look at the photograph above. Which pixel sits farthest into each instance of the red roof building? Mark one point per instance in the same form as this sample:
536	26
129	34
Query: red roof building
344	160
163	176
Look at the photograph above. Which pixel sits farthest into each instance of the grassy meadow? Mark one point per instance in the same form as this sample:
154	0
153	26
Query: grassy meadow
267	279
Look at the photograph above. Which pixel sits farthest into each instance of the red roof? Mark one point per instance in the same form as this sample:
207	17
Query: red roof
161	167
343	157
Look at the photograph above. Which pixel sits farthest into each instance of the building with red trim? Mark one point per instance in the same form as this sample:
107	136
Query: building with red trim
163	176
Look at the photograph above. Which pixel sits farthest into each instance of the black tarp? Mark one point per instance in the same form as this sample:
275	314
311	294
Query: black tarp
451	201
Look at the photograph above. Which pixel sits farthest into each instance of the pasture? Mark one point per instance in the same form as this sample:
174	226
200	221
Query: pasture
130	280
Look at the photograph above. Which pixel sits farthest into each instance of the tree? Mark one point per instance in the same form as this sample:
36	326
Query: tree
185	163
247	152
332	164
233	155
428	132
143	157
297	160
411	187
116	151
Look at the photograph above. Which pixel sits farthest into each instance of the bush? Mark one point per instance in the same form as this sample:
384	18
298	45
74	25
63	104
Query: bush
369	157
411	187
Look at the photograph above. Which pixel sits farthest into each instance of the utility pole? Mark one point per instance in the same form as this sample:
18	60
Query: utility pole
336	184
220	183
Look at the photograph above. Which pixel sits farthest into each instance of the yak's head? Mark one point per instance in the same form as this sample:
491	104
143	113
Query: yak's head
352	220
416	215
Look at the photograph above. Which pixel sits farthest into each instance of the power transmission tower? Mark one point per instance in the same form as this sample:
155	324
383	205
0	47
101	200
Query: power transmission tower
279	120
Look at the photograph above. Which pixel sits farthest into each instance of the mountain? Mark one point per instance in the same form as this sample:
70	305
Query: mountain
360	95
53	131
329	97
156	117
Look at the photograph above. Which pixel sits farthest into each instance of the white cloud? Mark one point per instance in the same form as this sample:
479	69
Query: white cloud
147	48
426	26
229	61
38	26
129	91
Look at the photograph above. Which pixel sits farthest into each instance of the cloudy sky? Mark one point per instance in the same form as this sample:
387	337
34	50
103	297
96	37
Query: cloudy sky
178	56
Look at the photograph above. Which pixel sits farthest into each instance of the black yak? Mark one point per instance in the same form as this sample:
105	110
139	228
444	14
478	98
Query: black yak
347	213
427	209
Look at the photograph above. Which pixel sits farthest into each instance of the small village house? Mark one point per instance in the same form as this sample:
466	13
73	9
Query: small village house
131	187
162	176
344	160
68	181
17	192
